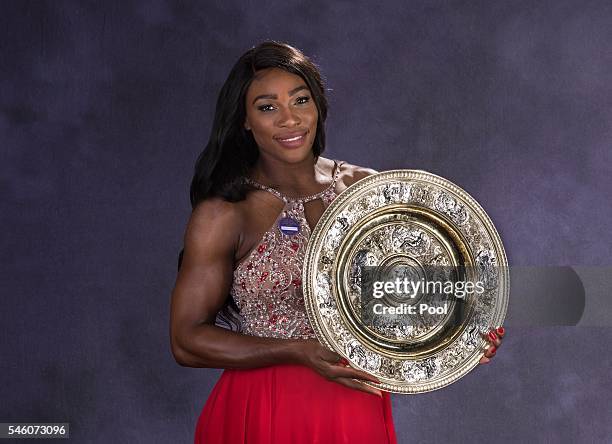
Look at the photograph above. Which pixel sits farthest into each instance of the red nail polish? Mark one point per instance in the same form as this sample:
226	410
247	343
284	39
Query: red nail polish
343	361
493	350
492	336
500	330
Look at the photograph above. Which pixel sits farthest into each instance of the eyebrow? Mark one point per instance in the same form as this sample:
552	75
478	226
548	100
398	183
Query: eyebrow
274	96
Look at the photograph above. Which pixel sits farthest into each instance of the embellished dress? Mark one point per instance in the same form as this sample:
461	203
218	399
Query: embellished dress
286	403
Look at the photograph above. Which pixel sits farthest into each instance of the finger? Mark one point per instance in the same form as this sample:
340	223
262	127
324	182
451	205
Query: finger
349	372
343	362
359	386
493	338
501	331
490	351
484	360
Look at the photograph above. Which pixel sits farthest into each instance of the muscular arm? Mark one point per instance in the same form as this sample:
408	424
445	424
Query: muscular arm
201	289
202	286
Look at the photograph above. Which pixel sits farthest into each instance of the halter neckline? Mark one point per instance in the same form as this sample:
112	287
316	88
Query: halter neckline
303	199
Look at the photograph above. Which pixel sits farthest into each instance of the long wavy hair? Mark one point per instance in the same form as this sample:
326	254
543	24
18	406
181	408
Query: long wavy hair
231	150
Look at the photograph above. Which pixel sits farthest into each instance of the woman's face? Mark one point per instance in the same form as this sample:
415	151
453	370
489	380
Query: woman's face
281	114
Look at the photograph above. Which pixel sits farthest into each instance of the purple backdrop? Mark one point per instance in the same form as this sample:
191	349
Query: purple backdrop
105	106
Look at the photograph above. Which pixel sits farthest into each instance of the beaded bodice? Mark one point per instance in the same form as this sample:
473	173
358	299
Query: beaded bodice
267	285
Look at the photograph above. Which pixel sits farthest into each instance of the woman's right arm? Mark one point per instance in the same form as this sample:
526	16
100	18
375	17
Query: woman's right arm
201	289
202	286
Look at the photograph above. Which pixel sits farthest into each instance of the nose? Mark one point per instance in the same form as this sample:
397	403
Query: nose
287	117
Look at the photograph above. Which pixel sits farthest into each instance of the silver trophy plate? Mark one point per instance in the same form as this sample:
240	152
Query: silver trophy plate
406	226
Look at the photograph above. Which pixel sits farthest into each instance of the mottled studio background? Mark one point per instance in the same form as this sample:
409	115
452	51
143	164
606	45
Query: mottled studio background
105	105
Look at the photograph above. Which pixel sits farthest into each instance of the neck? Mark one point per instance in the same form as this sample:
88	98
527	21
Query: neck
302	176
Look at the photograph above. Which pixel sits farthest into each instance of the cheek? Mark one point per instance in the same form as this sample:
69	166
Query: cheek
262	134
315	120
311	116
260	126
258	135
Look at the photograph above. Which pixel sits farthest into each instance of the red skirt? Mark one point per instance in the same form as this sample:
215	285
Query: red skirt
292	404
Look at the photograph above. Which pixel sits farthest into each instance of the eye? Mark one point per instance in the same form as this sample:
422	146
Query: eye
303	99
265	108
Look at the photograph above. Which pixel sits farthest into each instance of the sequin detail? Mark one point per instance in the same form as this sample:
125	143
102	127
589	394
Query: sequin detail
267	284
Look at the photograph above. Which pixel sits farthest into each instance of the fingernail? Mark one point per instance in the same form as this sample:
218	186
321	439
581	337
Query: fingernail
343	361
500	330
492	336
492	350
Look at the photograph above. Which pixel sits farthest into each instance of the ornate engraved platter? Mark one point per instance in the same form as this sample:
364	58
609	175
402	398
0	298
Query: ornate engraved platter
405	223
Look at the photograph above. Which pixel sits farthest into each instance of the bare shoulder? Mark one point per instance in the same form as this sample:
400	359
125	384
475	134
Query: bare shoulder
214	222
349	173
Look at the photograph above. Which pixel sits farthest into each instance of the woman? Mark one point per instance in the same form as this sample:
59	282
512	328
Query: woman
259	188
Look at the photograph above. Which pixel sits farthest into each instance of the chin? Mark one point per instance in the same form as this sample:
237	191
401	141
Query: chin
295	155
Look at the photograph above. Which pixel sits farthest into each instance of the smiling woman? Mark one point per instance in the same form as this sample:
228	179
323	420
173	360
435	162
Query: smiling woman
259	187
284	123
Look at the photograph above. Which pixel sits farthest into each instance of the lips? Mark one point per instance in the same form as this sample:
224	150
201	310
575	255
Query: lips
293	139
